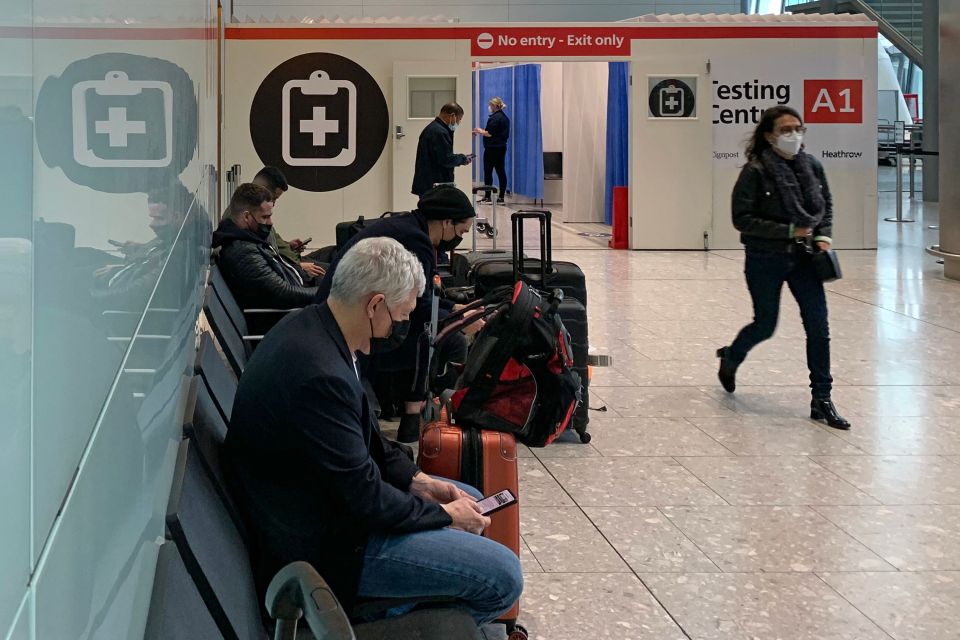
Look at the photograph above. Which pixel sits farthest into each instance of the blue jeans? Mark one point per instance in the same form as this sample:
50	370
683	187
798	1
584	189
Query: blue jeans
484	575
766	272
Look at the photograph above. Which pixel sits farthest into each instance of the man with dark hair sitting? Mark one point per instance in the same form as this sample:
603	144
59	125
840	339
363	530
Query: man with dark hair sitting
315	479
274	180
438	224
258	276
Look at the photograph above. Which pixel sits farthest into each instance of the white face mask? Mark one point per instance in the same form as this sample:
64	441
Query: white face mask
789	143
453	126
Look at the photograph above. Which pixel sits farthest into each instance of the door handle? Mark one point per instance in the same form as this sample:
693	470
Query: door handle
399	132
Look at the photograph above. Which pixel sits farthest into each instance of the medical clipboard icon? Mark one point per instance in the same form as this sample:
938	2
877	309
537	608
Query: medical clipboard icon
320	84
671	101
117	83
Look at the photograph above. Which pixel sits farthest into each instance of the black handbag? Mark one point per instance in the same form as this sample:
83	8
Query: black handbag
827	265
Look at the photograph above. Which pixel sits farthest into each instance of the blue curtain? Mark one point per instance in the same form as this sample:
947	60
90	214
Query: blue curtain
527	133
519	87
617	128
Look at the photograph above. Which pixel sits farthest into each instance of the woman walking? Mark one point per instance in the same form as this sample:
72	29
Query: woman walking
495	138
781	203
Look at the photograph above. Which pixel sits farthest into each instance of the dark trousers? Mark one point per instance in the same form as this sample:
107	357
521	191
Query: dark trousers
766	272
495	159
395	385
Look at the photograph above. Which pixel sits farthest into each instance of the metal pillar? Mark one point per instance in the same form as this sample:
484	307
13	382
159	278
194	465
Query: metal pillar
931	99
899	217
949	48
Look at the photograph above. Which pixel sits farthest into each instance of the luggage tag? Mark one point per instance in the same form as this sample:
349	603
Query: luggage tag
128	134
318	126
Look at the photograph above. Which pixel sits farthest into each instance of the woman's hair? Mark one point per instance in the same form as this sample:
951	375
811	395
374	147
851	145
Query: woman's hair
498	103
757	143
377	265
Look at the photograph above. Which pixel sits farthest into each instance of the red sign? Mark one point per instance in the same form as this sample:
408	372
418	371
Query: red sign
552	41
833	101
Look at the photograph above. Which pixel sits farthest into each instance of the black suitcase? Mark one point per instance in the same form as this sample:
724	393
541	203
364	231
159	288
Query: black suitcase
574	317
346	230
542	273
545	274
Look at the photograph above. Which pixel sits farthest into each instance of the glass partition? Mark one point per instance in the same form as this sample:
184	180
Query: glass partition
108	116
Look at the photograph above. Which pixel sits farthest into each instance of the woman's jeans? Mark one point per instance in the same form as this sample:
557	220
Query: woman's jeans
495	158
766	272
481	574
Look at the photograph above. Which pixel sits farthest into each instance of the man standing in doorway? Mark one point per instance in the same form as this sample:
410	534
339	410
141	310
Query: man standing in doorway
435	157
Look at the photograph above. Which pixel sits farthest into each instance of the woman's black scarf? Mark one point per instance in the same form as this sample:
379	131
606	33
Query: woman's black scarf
802	198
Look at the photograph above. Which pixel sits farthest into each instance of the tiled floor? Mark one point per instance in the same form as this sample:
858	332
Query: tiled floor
695	514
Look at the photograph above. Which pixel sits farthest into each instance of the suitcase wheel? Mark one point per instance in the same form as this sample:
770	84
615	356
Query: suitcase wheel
585	437
518	633
482	227
489	232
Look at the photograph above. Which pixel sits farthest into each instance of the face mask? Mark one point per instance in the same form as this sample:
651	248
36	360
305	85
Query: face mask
398	333
490	109
453	126
263	230
789	143
446	246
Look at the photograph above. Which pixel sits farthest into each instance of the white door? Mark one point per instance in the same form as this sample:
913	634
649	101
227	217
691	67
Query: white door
671	189
419	90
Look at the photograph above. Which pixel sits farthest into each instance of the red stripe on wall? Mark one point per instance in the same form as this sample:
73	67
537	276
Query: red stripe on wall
109	33
645	32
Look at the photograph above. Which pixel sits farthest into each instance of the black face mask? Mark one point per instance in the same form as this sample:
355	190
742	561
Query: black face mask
398	333
263	230
446	246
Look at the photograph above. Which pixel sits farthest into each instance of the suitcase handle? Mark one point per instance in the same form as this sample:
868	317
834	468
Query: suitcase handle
544	217
487	189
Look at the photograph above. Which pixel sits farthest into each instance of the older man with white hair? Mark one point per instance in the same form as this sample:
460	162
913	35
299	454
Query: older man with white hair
316	481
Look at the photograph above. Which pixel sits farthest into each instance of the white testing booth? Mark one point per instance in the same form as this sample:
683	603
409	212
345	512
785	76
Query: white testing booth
339	107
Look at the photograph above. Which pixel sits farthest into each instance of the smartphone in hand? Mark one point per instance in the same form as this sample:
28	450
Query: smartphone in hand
496	502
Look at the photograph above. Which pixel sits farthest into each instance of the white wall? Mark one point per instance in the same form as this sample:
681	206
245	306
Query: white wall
584	140
309	214
551	105
853	181
481	10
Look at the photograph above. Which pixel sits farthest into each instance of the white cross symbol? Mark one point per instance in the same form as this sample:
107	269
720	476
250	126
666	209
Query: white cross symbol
118	127
319	126
672	103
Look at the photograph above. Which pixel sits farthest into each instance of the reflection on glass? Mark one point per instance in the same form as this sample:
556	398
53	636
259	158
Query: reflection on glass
107	170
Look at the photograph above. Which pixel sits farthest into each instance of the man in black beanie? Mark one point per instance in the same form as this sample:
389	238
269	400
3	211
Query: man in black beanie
443	216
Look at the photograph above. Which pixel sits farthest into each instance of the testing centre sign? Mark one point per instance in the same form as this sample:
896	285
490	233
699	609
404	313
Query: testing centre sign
830	101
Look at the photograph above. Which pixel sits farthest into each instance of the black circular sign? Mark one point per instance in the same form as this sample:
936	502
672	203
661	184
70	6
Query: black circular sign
672	98
118	122
322	119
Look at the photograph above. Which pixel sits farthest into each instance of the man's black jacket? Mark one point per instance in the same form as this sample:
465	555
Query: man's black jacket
305	459
410	230
258	276
435	157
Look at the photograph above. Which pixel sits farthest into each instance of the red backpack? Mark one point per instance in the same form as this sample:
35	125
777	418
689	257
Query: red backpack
519	375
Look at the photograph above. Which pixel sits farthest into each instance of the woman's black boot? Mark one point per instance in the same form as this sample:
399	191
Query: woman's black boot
728	370
823	409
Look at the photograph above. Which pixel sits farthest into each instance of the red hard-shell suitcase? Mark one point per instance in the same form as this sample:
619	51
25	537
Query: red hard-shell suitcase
486	460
